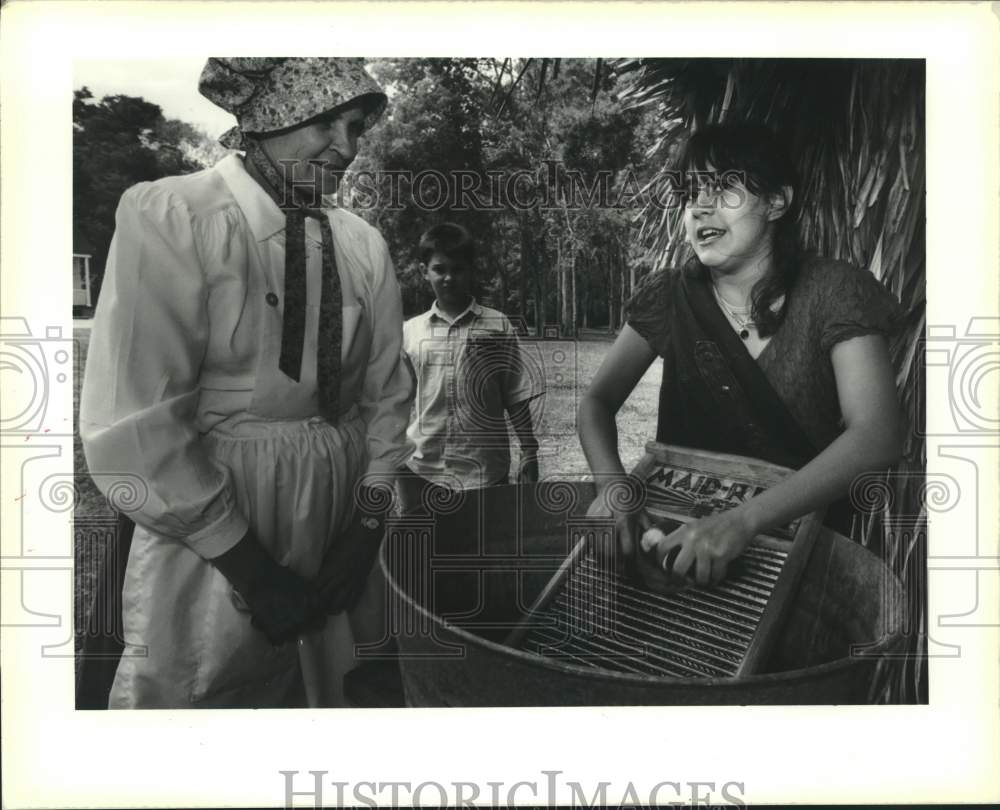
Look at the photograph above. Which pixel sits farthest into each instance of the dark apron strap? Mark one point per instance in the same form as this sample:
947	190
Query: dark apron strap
735	407
768	425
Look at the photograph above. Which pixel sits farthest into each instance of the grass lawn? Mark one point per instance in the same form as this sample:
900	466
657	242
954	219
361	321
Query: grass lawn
90	502
560	453
88	548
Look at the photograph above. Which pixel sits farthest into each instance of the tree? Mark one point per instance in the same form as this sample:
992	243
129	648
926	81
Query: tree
117	142
432	133
564	114
536	130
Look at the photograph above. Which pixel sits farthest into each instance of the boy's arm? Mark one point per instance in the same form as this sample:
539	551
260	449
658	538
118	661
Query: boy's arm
521	389
520	419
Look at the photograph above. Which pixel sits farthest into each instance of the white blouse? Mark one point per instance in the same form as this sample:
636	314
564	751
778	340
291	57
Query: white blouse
186	340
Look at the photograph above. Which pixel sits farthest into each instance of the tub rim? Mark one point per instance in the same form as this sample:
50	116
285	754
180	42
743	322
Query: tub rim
879	649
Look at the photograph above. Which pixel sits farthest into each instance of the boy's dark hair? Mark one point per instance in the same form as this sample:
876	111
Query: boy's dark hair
449	239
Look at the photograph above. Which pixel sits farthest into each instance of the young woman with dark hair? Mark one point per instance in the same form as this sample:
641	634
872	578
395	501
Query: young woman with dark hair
766	353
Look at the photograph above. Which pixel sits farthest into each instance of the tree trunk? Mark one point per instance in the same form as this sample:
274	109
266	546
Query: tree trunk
538	273
572	279
563	299
622	298
501	269
522	304
611	297
502	288
566	294
631	269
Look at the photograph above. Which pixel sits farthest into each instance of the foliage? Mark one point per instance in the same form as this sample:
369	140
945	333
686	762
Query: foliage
117	142
433	127
548	124
548	260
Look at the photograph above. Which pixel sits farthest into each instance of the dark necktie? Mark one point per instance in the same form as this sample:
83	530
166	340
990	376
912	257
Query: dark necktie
330	336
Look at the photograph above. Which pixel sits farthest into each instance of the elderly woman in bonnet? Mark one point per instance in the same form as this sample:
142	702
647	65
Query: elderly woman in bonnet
245	363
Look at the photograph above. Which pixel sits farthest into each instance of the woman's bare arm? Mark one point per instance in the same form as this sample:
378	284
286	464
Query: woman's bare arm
871	440
624	365
872	437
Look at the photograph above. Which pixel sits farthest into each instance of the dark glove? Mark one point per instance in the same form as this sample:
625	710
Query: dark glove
345	570
281	604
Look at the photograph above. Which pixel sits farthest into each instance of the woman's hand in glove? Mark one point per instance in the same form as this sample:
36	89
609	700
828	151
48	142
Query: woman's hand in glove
345	569
280	602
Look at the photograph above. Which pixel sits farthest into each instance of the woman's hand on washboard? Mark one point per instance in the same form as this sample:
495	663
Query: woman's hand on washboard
655	572
704	547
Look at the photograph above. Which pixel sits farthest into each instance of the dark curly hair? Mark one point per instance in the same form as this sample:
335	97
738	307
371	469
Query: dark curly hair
763	163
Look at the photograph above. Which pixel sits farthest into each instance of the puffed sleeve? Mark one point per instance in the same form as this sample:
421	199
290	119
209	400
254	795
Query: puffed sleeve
140	388
851	303
646	311
387	393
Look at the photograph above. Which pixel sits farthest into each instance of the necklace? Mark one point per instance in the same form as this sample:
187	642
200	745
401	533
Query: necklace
736	316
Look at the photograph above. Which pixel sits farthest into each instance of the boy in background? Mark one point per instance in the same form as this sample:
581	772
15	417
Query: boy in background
470	372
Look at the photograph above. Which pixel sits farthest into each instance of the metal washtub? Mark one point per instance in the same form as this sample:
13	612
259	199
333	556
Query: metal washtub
503	598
